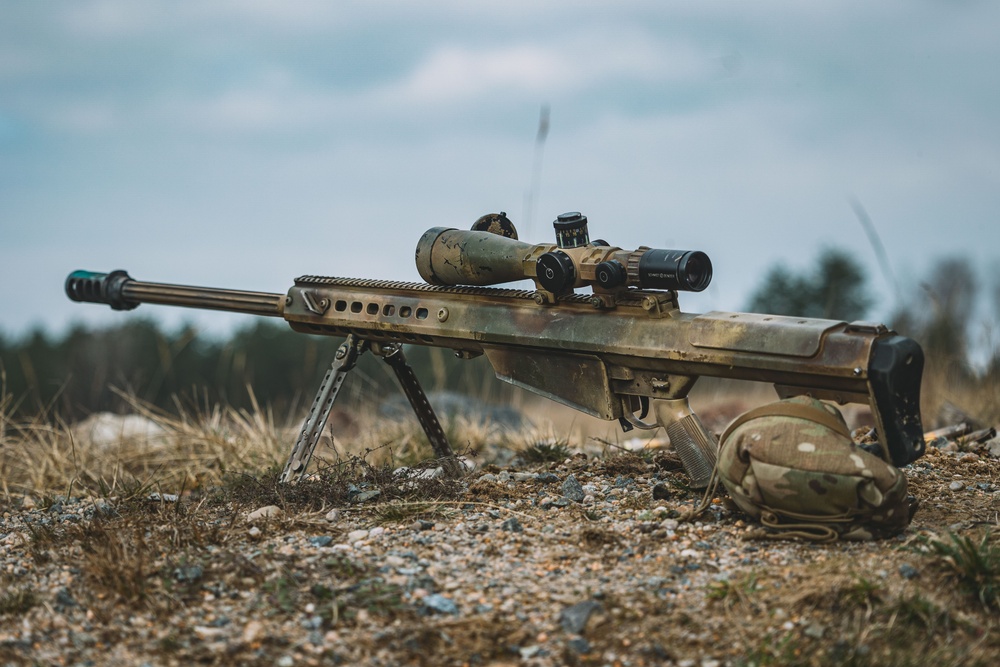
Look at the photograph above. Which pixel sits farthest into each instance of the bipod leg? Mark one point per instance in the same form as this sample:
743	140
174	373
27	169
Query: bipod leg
392	354
345	359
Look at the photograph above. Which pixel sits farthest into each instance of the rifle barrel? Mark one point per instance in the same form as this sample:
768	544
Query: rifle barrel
118	290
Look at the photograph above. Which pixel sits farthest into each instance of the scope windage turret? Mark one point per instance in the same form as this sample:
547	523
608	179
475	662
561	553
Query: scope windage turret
454	257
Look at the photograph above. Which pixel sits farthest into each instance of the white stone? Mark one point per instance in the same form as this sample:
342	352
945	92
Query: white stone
357	535
252	631
208	633
264	513
106	429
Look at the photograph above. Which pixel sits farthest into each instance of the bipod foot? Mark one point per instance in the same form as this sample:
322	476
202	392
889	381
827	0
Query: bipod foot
392	354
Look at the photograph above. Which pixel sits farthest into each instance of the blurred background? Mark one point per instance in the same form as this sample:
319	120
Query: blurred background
846	153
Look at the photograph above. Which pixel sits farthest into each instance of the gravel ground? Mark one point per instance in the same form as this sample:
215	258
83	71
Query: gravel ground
578	561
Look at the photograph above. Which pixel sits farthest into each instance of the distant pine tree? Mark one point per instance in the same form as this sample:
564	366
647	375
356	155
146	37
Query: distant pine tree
834	289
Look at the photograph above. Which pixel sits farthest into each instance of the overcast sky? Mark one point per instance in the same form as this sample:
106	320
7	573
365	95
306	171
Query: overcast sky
243	143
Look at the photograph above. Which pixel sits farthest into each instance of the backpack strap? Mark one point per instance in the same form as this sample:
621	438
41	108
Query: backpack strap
790	409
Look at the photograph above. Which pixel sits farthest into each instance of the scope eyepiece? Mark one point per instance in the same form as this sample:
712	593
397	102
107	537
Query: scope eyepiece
686	270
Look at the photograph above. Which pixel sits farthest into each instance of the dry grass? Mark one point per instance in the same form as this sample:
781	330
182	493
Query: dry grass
46	456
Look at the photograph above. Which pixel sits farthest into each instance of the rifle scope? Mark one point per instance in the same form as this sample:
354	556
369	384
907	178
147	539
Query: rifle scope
455	257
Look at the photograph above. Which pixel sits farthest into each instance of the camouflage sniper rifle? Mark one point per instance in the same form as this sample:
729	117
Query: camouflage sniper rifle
623	349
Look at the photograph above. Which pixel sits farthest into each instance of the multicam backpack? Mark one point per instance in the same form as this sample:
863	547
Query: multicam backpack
793	465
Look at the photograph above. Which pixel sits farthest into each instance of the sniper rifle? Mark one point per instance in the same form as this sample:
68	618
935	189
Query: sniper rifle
624	348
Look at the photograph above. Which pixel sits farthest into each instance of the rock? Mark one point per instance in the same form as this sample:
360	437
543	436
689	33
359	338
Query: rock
661	491
105	509
190	574
815	630
572	489
956	486
357	535
264	513
208	633
547	477
377	531
64	598
512	525
255	532
334	515
573	619
437	603
993	447
252	631
578	645
163	497
106	429
321	540
286	661
908	571
365	496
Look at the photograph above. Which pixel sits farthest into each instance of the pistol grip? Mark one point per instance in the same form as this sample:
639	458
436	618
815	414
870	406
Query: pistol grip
696	446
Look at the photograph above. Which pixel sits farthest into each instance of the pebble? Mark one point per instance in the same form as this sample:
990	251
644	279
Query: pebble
573	618
333	516
907	571
440	604
814	630
208	633
365	496
512	525
357	535
956	486
572	489
264	513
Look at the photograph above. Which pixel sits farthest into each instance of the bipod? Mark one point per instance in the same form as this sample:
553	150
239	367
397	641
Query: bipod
344	360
